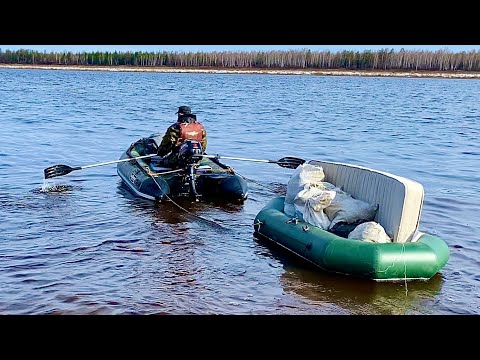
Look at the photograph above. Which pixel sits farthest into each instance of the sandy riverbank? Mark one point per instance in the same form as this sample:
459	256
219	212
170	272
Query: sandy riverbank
370	73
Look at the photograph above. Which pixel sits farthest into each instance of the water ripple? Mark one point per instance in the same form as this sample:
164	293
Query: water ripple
85	245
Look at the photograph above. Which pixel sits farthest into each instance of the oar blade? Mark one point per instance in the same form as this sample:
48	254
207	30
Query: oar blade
57	170
290	162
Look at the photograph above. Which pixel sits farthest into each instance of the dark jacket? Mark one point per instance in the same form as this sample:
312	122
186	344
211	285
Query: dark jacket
171	137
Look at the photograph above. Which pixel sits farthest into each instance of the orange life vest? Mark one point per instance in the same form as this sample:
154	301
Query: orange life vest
190	131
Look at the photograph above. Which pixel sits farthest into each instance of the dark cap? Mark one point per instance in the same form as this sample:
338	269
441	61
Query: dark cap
184	110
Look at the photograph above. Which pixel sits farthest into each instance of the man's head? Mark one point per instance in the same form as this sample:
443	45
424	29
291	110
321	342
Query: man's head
184	110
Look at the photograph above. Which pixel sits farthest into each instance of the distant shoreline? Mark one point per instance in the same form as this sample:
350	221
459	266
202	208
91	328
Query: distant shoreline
316	72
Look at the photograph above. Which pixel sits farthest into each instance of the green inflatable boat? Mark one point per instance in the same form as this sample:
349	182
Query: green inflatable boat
199	177
411	255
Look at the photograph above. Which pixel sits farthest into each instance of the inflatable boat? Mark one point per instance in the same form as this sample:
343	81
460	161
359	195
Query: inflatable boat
199	177
411	255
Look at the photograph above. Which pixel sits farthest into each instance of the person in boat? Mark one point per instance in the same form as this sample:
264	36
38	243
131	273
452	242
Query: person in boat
187	127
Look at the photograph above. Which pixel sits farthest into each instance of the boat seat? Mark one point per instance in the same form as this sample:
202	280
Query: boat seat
399	199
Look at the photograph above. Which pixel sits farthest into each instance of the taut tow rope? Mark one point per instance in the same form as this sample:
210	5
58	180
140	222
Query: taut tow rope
175	203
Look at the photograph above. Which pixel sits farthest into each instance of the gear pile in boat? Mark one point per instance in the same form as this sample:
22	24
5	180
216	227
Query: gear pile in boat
353	220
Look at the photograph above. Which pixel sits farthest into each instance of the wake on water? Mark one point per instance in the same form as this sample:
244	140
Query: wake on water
49	186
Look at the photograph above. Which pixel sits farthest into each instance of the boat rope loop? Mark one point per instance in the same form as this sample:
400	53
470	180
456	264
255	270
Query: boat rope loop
181	207
257	224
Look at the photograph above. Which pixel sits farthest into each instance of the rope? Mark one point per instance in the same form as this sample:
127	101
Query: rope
393	264
405	270
258	224
256	182
155	174
152	174
181	207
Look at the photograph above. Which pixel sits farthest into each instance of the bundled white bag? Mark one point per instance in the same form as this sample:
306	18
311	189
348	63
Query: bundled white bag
310	202
330	186
305	174
370	231
337	204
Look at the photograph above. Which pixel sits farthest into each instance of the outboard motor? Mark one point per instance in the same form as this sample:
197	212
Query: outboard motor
189	153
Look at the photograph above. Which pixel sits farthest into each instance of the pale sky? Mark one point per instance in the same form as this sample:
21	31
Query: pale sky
208	48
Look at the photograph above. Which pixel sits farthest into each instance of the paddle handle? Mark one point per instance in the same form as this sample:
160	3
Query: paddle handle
117	161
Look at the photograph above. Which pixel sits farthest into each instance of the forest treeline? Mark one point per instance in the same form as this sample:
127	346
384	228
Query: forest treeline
385	59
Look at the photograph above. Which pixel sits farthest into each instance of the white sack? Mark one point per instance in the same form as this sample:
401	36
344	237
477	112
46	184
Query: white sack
305	174
351	210
310	202
370	231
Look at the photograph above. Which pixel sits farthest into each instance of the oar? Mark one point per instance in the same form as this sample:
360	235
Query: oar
286	162
60	170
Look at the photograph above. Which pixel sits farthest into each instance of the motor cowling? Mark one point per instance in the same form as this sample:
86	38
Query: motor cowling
190	152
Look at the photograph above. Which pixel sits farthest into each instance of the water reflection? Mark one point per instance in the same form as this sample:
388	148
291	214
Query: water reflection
88	246
174	277
181	209
355	295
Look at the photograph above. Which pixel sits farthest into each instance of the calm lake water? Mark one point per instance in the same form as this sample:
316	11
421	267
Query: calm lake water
90	247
